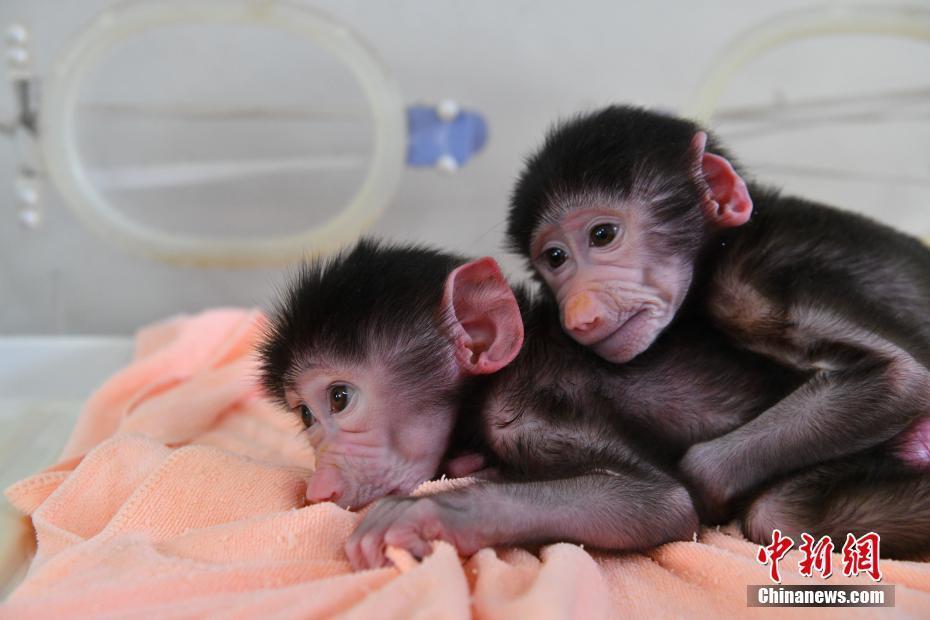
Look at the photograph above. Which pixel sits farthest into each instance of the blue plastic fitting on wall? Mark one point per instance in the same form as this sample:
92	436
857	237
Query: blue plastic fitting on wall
444	136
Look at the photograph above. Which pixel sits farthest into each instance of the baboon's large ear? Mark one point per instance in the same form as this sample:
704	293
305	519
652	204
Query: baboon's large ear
486	330
727	202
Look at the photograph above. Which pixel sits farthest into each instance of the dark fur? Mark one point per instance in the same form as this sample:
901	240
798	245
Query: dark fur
834	296
370	300
868	492
556	382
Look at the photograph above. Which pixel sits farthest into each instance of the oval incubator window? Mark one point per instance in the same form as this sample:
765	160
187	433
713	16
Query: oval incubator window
852	127
219	134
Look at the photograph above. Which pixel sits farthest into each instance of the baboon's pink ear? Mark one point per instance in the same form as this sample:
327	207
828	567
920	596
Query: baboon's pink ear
727	202
487	330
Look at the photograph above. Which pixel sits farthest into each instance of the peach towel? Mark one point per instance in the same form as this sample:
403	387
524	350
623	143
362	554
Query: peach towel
180	494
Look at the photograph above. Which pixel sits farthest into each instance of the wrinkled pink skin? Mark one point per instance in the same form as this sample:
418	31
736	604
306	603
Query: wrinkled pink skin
364	453
614	299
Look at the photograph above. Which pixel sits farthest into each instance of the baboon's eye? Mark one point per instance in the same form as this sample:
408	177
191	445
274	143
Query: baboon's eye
603	234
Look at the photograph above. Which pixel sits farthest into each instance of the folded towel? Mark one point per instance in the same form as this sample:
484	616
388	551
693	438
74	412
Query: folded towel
181	494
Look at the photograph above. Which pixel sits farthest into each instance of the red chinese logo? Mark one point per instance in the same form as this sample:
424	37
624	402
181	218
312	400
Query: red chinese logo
860	555
774	552
817	557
